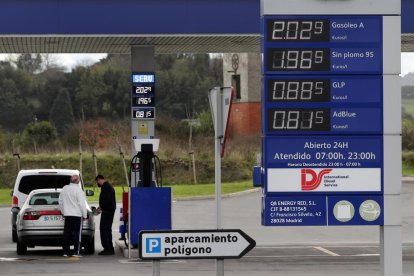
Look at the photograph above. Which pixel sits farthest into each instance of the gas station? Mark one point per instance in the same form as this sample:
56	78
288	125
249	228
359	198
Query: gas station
330	96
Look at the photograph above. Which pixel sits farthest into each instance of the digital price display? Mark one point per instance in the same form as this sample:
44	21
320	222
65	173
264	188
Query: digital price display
299	119
288	59
143	101
323	121
143	95
143	89
308	90
364	60
333	90
333	29
279	30
323	44
143	113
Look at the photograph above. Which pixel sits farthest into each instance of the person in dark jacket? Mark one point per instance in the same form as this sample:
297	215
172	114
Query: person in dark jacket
107	206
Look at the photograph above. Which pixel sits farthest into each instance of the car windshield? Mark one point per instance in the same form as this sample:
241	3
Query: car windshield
29	183
45	199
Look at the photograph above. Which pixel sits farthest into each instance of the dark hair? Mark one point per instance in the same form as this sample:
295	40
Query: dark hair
99	176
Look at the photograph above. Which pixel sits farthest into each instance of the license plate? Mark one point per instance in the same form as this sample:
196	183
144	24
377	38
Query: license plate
53	218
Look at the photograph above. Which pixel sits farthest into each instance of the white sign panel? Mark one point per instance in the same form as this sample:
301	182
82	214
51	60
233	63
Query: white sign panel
324	180
194	244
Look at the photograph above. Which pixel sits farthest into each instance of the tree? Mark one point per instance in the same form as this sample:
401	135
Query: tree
61	114
13	105
117	99
39	133
186	83
90	94
31	63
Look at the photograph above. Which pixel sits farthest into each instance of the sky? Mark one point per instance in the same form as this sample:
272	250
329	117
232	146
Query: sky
70	61
407	63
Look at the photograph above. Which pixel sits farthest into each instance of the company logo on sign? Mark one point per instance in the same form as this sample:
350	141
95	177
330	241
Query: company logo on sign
153	245
324	180
311	180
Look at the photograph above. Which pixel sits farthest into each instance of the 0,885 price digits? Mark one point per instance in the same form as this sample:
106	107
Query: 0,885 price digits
281	90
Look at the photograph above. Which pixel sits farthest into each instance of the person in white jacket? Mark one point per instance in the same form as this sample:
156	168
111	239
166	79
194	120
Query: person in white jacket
72	204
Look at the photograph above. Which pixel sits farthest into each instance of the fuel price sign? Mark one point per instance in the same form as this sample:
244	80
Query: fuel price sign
323	44
143	95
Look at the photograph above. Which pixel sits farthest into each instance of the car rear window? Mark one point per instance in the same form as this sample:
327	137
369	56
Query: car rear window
29	183
45	199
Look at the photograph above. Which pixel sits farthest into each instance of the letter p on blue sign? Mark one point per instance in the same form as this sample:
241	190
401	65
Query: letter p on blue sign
153	245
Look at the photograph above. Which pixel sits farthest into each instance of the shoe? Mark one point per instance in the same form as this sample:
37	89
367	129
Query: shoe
65	255
106	253
77	255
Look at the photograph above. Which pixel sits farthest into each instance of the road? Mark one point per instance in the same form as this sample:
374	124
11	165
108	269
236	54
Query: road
280	251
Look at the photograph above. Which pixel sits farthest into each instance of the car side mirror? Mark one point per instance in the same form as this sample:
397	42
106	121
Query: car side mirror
89	193
11	193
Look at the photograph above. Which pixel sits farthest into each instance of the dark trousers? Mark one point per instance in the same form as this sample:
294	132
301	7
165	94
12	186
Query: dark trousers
72	233
105	228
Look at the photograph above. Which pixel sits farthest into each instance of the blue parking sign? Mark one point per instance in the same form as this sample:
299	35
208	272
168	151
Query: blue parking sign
153	245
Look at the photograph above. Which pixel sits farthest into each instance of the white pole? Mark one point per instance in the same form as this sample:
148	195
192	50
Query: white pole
218	137
391	250
156	269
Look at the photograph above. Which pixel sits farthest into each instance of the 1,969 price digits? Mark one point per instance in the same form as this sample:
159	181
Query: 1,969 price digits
298	59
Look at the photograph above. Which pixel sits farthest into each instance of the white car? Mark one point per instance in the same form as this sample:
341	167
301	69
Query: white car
40	223
29	180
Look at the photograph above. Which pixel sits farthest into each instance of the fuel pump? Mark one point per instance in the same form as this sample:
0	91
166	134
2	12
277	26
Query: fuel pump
150	203
146	168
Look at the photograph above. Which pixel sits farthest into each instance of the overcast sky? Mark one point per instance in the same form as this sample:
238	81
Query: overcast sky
72	60
69	61
407	63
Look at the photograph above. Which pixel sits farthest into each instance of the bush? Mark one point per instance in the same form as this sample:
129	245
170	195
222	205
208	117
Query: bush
408	158
407	133
39	134
175	171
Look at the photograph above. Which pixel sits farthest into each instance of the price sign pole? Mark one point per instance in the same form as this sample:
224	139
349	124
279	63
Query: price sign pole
331	121
220	105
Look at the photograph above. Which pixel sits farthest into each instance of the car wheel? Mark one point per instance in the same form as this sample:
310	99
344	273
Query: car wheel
90	246
21	248
14	235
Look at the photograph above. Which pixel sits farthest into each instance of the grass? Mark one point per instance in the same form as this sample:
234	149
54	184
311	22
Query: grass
408	105
5	198
407	170
178	191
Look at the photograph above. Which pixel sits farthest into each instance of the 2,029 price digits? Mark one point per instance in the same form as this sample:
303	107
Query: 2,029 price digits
310	30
